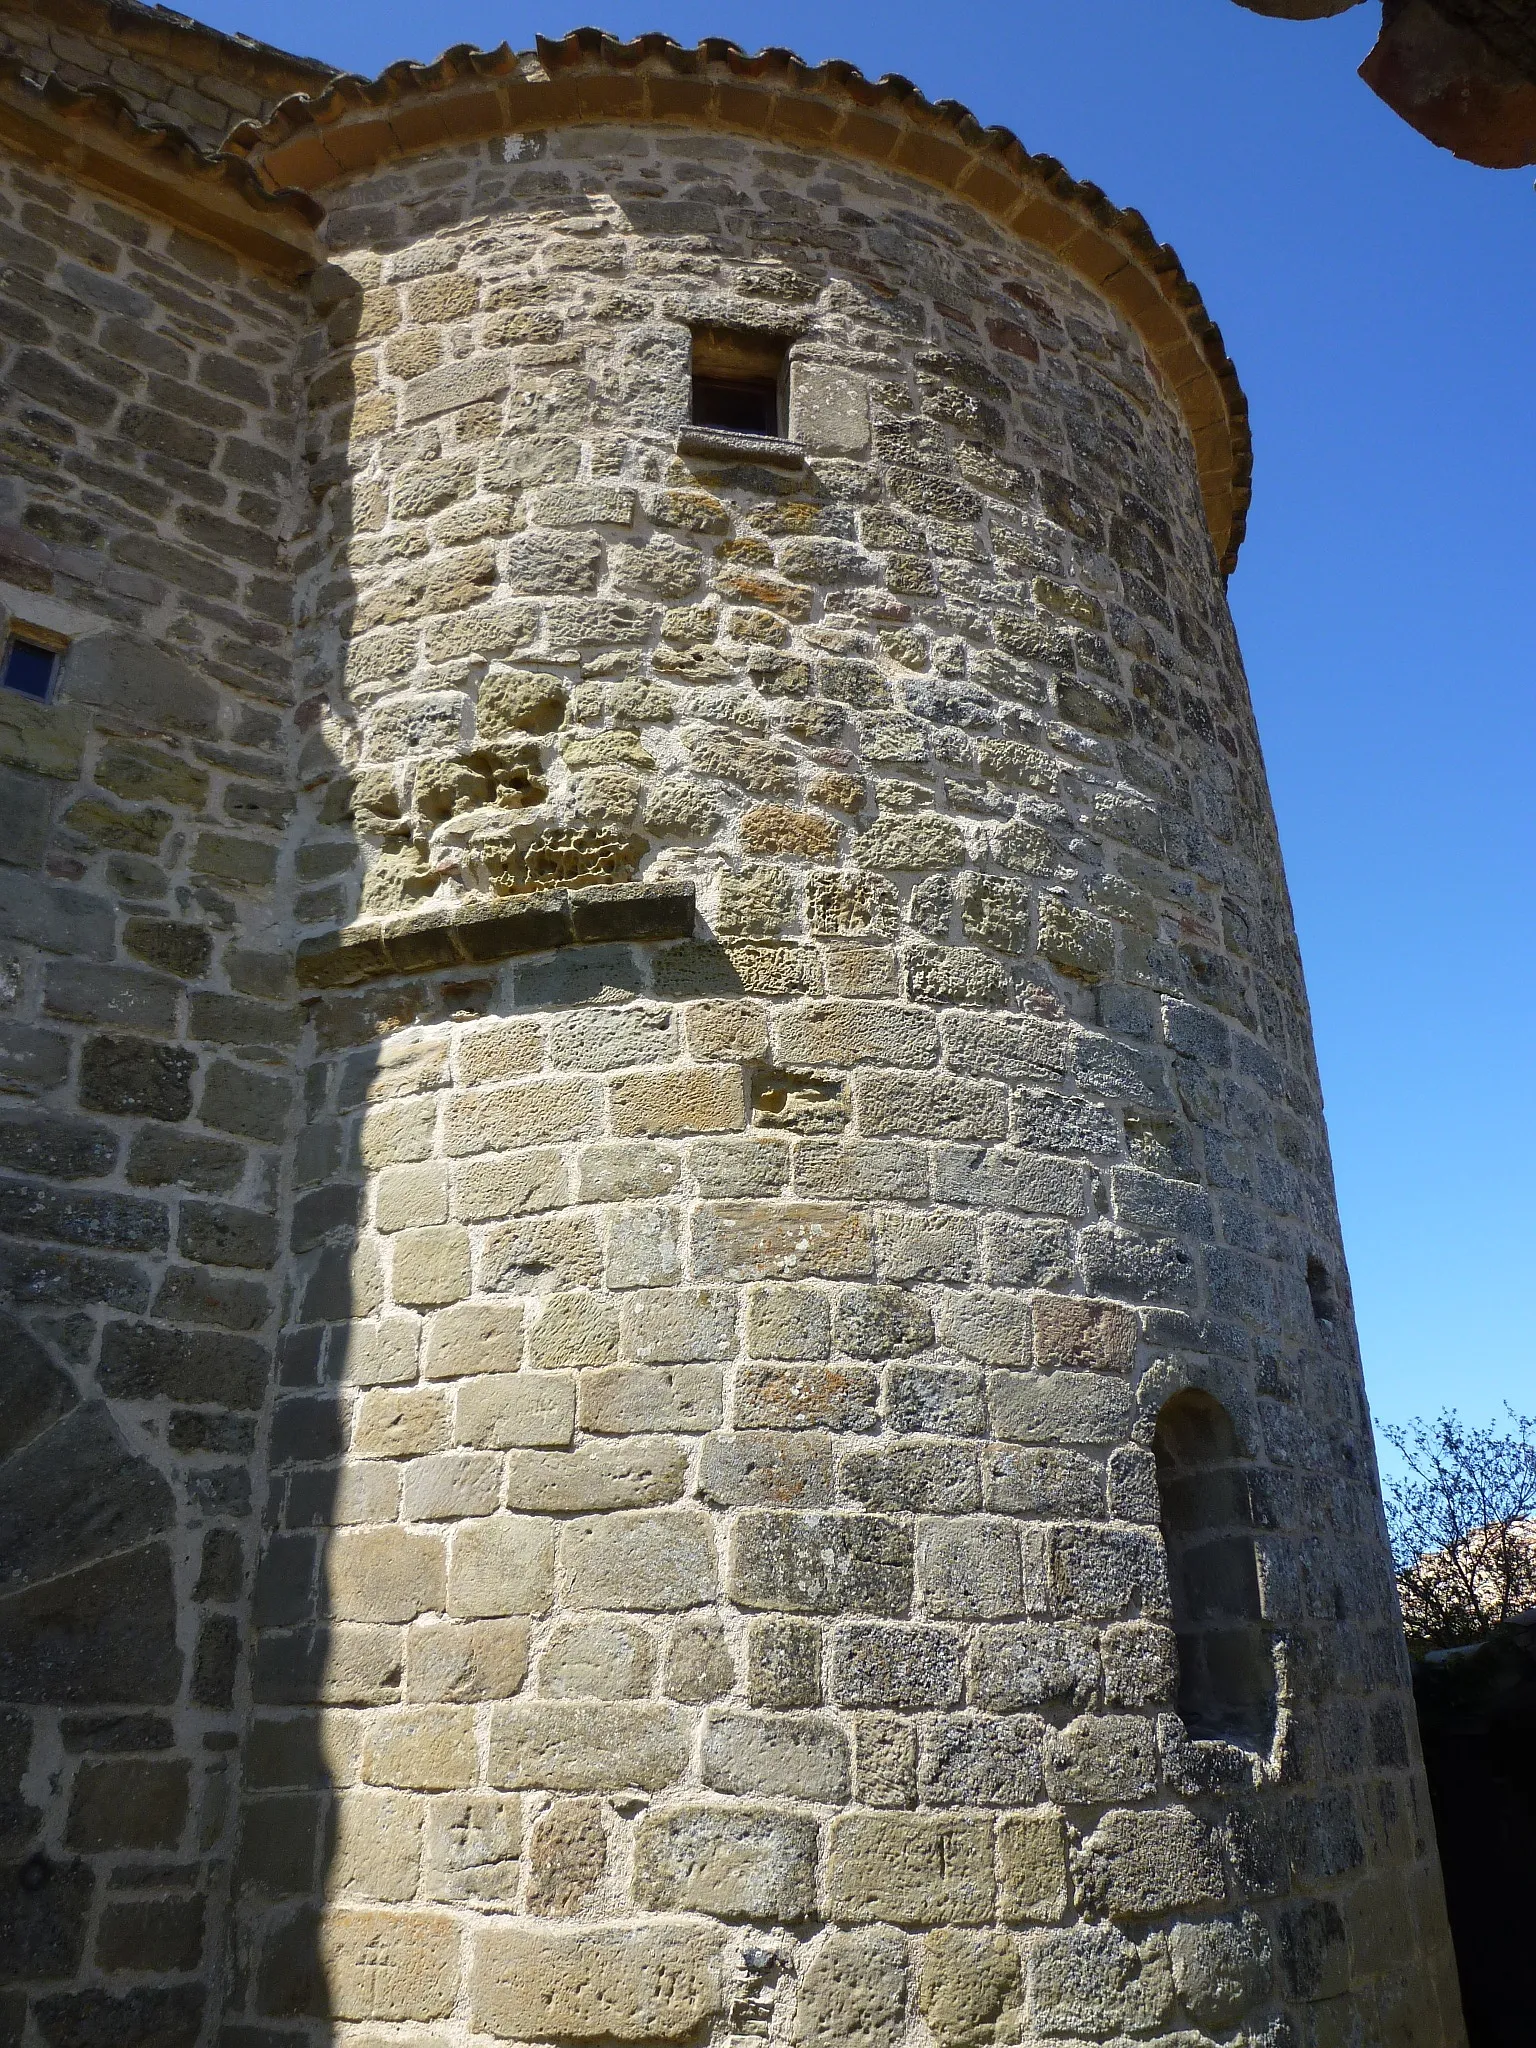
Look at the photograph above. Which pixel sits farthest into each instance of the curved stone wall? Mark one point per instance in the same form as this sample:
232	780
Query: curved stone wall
716	1583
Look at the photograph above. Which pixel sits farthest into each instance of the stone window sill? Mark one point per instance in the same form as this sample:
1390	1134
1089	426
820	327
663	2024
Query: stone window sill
481	929
722	446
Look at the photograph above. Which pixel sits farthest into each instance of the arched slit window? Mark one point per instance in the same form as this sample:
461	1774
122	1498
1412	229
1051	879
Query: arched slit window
1226	1662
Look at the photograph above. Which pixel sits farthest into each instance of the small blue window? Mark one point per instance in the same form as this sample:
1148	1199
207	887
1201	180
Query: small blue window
29	668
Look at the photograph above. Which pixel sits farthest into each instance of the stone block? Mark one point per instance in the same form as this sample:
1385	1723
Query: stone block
698	1665
775	1756
849	1034
128	1803
969	1988
506	1184
503	1411
1029	1479
853	1993
1093	1981
389	1575
574	1329
645	1562
1100	1759
1033	1885
462	1662
657	1983
767	1468
968	1568
1103	1573
410	1197
381	1354
569	1746
678	1102
1083	1336
788	1322
904	1667
450	1487
430	1268
389	1965
739	1862
523	1113
598	1657
624	1400
1220	1968
979	1761
420	1749
780	1240
629	1170
1140	1664
1034	1664
473	1850
400	1422
911	1870
820	1563
150	1934
1061	1408
135	1077
374	1850
837	1397
635	1472
501	1565
930	1106
679	1326
1139	1866
567	1856
783	1662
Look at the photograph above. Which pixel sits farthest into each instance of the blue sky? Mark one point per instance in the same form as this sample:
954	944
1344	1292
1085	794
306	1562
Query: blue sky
1379	300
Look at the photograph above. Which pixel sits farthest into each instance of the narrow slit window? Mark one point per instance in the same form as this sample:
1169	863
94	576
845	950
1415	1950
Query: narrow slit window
29	665
1226	1660
738	381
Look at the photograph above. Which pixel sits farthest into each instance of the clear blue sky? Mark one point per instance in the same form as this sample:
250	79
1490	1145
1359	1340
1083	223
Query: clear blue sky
1379	299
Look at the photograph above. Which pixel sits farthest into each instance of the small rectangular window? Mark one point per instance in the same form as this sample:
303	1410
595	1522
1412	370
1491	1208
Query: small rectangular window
30	663
738	381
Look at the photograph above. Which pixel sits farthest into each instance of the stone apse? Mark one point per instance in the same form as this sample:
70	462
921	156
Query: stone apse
678	1362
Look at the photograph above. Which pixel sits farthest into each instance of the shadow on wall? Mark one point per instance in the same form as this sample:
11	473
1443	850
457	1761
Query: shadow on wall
1477	1721
88	1621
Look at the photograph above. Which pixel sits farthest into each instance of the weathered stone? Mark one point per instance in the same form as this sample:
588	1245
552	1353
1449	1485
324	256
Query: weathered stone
910	1869
741	1862
821	1563
1032	1880
565	1746
655	1983
133	1077
1139	1866
704	1388
1086	1980
775	1756
969	1988
853	1993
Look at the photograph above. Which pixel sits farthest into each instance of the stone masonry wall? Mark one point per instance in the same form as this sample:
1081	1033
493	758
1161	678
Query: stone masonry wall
147	1093
167	68
713	1582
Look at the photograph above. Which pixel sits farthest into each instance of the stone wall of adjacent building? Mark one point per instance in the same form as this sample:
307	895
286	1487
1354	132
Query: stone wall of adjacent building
148	1089
713	1581
167	68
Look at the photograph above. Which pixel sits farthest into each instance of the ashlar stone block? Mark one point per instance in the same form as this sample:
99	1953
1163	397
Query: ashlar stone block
568	1746
656	1983
741	1862
913	1870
